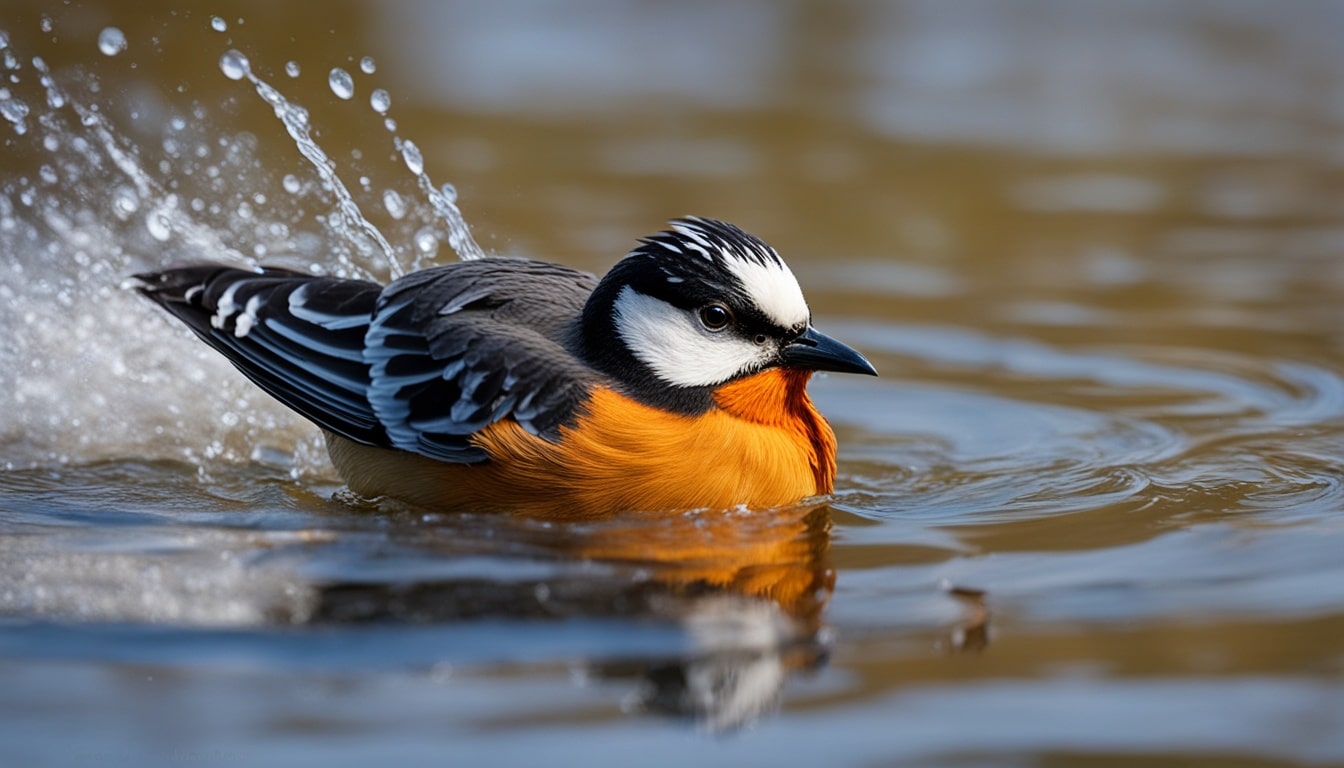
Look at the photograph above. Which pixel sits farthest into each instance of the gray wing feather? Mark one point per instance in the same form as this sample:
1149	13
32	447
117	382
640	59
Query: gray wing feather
452	350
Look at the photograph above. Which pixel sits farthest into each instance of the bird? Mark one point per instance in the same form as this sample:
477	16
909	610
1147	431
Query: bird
676	382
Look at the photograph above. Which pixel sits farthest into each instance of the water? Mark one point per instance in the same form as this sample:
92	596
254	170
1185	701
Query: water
1089	514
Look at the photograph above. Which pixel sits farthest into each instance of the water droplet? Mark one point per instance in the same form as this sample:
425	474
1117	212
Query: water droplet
177	123
111	41
449	193
55	97
160	228
367	66
395	205
48	174
125	202
411	154
51	143
292	68
380	101
426	242
218	24
291	184
4	39
46	24
296	116
234	65
390	125
271	95
13	110
342	84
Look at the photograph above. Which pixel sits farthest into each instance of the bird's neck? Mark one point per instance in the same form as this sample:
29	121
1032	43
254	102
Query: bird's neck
778	397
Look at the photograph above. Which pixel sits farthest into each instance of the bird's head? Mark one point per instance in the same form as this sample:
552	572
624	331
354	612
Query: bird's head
698	306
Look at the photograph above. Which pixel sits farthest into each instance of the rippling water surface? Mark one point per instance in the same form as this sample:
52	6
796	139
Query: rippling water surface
1092	511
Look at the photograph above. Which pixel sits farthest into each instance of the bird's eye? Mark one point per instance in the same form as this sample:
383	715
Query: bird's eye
760	339
715	317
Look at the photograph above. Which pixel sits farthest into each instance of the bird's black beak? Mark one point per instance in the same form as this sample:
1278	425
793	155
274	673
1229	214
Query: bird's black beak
816	351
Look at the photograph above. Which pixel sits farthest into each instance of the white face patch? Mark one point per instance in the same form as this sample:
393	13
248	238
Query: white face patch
678	349
764	276
773	289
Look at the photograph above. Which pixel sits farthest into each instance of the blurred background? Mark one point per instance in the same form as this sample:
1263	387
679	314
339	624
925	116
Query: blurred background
1094	248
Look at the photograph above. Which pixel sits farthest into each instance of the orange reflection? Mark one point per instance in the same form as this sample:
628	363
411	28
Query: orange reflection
780	556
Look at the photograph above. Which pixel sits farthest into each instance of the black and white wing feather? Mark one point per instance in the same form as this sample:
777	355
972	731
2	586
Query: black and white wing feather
457	348
420	365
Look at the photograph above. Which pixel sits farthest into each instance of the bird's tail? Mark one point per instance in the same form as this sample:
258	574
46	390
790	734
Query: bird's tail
300	337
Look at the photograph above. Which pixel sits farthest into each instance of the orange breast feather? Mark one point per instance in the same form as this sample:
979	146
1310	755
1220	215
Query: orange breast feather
765	445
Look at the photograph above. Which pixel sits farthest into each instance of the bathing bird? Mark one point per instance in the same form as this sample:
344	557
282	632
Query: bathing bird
677	381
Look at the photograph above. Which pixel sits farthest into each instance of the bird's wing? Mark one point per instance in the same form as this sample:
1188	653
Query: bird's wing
419	366
455	349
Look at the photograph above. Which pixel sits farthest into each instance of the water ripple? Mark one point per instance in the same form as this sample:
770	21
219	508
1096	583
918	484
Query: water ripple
989	428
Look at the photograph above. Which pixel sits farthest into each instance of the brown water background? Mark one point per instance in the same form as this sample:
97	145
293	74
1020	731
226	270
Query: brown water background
1092	513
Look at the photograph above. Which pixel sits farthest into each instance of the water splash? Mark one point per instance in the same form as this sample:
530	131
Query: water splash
92	214
166	216
295	118
459	235
97	207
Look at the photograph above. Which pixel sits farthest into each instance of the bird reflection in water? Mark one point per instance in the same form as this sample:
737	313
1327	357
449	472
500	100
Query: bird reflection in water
744	590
